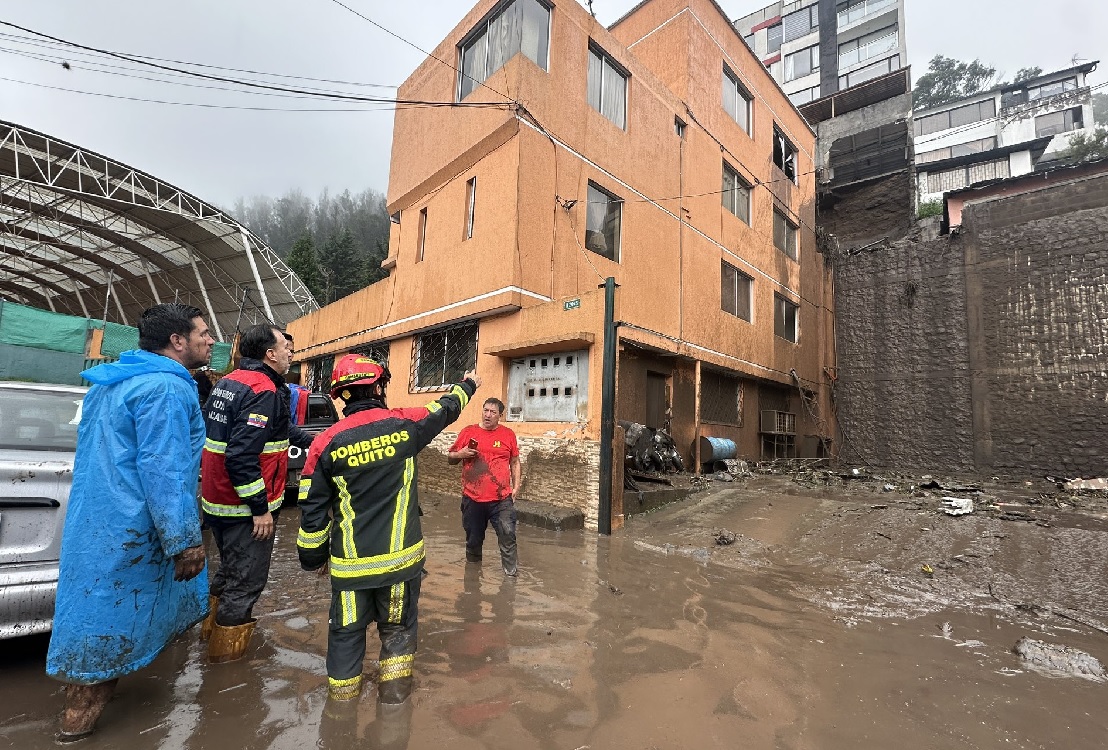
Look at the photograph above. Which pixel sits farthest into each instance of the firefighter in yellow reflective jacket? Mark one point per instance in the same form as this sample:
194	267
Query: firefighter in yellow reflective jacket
359	513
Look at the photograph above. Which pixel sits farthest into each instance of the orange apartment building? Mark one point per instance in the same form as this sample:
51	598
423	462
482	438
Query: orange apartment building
659	152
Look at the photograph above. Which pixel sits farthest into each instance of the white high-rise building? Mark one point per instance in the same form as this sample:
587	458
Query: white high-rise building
815	48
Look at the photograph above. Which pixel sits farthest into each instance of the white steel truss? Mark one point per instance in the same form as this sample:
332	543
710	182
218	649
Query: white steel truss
77	224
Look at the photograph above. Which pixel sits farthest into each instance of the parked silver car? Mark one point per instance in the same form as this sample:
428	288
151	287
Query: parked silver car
38	437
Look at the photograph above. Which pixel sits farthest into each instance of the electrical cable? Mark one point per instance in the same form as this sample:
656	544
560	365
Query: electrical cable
416	47
204	105
30	41
251	84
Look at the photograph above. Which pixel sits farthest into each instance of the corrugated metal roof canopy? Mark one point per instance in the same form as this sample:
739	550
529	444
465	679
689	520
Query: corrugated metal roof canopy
80	232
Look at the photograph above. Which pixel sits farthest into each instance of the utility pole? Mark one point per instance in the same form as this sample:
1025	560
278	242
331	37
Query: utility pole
607	409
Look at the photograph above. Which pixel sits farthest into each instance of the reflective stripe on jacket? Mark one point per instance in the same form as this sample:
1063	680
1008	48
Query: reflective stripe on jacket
359	507
245	460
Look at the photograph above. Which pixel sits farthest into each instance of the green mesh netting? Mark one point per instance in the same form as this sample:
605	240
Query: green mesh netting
221	357
118	338
42	329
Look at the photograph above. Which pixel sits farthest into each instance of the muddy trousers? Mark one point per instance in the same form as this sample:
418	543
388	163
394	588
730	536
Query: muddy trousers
395	609
243	571
476	517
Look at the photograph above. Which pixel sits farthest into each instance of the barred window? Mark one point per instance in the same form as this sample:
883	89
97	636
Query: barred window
443	355
319	374
721	398
377	351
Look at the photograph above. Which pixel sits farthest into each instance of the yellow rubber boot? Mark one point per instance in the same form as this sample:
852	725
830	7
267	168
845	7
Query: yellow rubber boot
209	621
229	642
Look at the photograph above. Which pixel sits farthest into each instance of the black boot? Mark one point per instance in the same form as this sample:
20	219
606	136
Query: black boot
395	691
473	554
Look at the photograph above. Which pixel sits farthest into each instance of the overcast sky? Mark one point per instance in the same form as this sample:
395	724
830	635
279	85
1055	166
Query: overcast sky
221	154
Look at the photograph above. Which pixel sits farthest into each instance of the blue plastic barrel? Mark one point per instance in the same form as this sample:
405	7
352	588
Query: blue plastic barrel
716	449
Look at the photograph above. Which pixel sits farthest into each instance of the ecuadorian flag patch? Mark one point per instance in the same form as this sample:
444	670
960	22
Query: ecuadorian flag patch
257	420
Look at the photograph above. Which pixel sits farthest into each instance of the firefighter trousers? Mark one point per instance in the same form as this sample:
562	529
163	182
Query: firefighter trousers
243	570
395	609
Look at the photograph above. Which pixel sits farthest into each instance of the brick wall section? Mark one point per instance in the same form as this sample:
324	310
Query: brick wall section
986	350
561	472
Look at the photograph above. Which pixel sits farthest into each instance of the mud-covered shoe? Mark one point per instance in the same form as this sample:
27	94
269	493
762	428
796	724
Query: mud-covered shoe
473	556
83	706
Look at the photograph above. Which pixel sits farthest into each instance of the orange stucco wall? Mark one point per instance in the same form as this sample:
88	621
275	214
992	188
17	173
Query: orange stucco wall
533	160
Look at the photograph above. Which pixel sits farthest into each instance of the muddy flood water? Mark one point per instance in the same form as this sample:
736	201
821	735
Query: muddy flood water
835	619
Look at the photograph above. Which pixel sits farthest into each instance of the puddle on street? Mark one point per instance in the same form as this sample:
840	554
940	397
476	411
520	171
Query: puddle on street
812	631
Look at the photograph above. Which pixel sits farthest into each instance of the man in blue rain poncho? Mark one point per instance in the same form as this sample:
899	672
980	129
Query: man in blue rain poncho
132	552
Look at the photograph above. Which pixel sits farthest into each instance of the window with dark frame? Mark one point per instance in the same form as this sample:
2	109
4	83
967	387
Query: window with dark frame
774	37
1045	90
802	63
607	84
736	100
736	290
603	216
784	318
800	23
421	233
956	117
471	204
871	45
735	193
784	154
442	356
784	234
517	26
1058	122
679	127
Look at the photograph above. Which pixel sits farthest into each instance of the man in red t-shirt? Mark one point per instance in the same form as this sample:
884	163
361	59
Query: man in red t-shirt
489	456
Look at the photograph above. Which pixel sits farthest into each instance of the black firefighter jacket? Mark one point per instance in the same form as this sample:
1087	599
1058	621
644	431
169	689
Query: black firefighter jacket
358	502
244	465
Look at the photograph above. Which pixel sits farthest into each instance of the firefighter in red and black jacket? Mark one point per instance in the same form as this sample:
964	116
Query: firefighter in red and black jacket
243	475
359	512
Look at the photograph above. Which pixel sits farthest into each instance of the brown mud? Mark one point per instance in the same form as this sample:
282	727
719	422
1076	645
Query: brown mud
842	616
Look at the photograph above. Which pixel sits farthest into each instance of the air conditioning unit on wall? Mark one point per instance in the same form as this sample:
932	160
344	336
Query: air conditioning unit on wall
778	422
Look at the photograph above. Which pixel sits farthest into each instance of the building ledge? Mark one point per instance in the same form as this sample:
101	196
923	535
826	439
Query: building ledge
564	342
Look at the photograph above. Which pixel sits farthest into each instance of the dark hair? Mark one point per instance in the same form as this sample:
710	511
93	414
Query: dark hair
498	402
160	322
257	340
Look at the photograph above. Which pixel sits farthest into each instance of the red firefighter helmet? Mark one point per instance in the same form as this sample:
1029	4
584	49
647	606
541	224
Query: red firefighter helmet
357	369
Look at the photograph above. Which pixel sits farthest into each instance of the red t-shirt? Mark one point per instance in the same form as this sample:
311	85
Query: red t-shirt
488	477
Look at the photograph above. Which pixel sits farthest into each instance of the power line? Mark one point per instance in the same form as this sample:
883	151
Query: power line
420	49
75	66
31	41
205	105
225	79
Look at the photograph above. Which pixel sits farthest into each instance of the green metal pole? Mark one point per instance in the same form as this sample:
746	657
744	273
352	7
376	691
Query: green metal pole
607	408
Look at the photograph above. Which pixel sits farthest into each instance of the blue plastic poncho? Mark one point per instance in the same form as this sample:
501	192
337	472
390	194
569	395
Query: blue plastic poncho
131	509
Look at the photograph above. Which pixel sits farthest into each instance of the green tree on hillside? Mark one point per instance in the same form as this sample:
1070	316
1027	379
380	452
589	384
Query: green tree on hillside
949	80
1088	146
303	260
